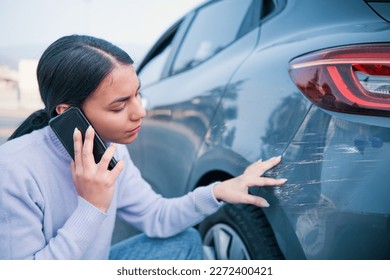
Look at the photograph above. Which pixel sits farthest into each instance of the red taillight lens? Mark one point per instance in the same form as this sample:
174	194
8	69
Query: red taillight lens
351	79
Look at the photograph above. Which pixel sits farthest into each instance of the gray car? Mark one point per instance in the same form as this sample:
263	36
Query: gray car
236	81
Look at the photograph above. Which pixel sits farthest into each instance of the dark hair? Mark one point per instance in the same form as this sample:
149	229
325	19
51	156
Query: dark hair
68	71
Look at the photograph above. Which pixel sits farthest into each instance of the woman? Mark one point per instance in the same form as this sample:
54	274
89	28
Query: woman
53	207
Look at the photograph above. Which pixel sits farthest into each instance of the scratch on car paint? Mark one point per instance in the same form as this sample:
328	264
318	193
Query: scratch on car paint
348	149
315	161
293	194
365	160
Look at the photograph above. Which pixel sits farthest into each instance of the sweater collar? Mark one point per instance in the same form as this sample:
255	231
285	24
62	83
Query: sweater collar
59	148
58	145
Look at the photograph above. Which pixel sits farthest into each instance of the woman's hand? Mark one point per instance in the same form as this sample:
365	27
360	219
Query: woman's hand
236	189
94	182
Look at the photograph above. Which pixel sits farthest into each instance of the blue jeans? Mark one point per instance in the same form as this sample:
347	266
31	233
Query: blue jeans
183	246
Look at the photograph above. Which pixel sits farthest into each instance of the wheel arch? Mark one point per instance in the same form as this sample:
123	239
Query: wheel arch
223	164
213	176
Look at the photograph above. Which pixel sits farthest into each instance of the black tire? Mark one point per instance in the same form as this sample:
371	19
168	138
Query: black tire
239	232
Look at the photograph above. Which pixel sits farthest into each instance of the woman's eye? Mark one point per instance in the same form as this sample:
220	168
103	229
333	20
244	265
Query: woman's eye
118	109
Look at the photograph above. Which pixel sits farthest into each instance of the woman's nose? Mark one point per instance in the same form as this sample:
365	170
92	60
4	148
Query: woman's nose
138	111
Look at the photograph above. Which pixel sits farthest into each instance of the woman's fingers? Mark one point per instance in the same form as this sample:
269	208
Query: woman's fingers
256	200
268	164
106	158
87	153
84	160
120	165
77	146
105	161
93	181
254	172
264	181
260	167
235	190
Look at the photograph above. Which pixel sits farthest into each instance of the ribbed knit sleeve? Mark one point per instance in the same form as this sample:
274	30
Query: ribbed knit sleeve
155	215
205	201
76	235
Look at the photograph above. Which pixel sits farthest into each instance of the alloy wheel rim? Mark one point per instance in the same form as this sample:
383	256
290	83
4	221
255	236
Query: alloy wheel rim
224	243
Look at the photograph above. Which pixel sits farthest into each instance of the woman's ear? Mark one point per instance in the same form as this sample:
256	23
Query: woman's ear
61	108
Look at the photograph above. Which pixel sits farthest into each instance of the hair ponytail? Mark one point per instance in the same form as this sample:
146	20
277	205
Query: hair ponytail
36	120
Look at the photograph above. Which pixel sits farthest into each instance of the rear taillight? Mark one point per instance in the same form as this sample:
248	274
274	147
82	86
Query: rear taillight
351	79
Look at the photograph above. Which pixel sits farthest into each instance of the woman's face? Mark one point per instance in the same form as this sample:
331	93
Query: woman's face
115	109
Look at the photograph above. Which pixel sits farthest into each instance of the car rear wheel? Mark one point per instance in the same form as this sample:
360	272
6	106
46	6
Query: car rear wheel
238	232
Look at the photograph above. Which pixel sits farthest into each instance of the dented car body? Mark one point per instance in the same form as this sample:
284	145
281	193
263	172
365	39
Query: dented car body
308	80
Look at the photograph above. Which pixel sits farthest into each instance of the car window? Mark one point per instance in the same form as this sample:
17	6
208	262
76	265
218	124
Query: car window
215	26
151	72
151	69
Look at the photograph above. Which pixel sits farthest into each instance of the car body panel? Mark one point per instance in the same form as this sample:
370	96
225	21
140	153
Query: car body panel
193	108
242	105
336	195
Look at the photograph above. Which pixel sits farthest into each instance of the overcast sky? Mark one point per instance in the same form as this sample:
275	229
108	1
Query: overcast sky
40	22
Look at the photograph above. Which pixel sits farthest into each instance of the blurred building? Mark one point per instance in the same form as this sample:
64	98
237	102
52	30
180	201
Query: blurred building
8	88
29	97
19	89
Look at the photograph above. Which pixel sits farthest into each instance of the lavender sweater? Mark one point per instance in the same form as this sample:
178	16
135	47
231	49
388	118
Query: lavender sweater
42	217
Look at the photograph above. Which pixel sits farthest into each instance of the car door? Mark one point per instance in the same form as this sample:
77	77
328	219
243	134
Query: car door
183	79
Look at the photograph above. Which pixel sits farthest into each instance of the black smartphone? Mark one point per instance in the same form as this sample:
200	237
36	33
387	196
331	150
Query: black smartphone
64	125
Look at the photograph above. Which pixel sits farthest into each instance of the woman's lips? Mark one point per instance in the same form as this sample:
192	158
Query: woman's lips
135	130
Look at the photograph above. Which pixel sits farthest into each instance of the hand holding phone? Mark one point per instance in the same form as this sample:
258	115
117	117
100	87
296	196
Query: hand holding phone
64	126
93	181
